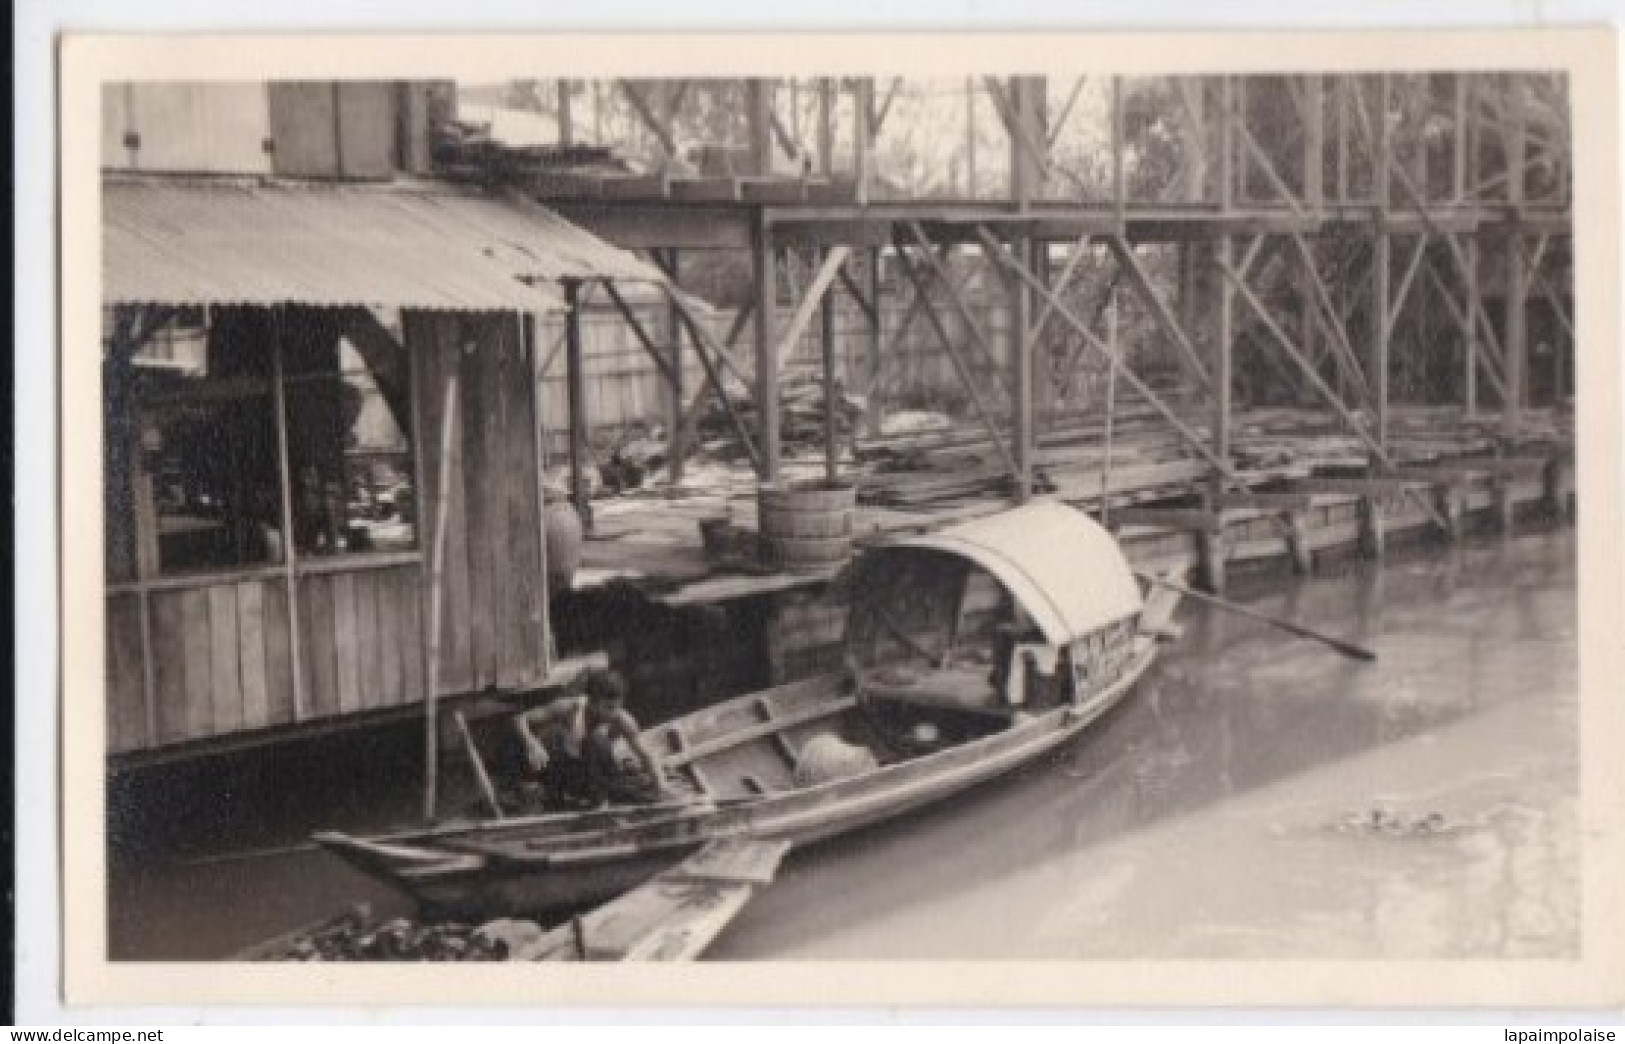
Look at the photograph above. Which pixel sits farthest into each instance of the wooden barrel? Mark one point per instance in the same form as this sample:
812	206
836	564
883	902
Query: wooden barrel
805	527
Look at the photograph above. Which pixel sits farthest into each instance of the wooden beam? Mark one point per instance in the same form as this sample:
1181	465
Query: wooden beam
956	299
1344	349
1465	321
661	129
703	348
1059	123
1112	358
1412	266
1159	310
386	360
816	292
966	377
919	303
866	306
639	333
1261	312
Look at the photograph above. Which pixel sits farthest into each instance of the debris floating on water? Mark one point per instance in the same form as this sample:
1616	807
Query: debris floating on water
356	936
1384	821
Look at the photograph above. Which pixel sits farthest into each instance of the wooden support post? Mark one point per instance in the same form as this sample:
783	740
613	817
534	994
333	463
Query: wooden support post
567	132
1227	144
1303	555
1021	158
1381	262
1373	540
1211	552
575	379
759	124
862	136
765	273
1470	327
876	403
1453	507
1343	85
1458	167
1515	339
826	126
1505	506
826	337
1224	361
1119	146
1314	139
970	137
677	431
1021	380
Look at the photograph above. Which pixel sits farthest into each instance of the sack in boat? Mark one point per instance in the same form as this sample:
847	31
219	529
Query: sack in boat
827	758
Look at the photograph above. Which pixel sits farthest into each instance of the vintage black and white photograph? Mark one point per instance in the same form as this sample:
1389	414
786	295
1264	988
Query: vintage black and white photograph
1069	515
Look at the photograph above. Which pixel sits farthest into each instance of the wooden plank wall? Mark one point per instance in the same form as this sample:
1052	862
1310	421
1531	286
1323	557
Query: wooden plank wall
361	640
222	652
490	629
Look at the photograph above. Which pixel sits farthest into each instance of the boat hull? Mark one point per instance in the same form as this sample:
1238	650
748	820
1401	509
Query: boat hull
496	871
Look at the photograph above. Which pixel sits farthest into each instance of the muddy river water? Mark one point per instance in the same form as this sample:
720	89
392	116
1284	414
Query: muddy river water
1259	796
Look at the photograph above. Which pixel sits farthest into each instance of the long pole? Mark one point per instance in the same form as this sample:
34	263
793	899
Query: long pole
576	392
437	562
832	446
1348	649
538	433
1111	408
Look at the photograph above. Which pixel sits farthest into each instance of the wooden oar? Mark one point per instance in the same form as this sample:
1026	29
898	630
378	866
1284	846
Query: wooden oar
1346	648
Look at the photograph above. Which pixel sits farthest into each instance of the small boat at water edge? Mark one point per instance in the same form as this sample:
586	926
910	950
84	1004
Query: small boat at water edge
971	652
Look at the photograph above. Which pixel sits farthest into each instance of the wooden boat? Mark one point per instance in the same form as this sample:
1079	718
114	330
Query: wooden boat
671	917
970	652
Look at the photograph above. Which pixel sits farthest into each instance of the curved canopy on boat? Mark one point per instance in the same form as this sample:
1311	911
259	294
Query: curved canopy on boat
1067	572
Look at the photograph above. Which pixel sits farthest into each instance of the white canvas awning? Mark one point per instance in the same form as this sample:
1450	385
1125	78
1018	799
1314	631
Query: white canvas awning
1067	572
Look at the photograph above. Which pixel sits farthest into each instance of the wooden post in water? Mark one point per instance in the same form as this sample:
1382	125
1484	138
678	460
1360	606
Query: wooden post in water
437	561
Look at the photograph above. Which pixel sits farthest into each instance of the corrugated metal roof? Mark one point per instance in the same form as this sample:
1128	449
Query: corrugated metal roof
194	241
1067	572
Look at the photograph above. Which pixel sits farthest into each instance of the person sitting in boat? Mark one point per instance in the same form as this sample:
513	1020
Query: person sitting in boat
569	747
